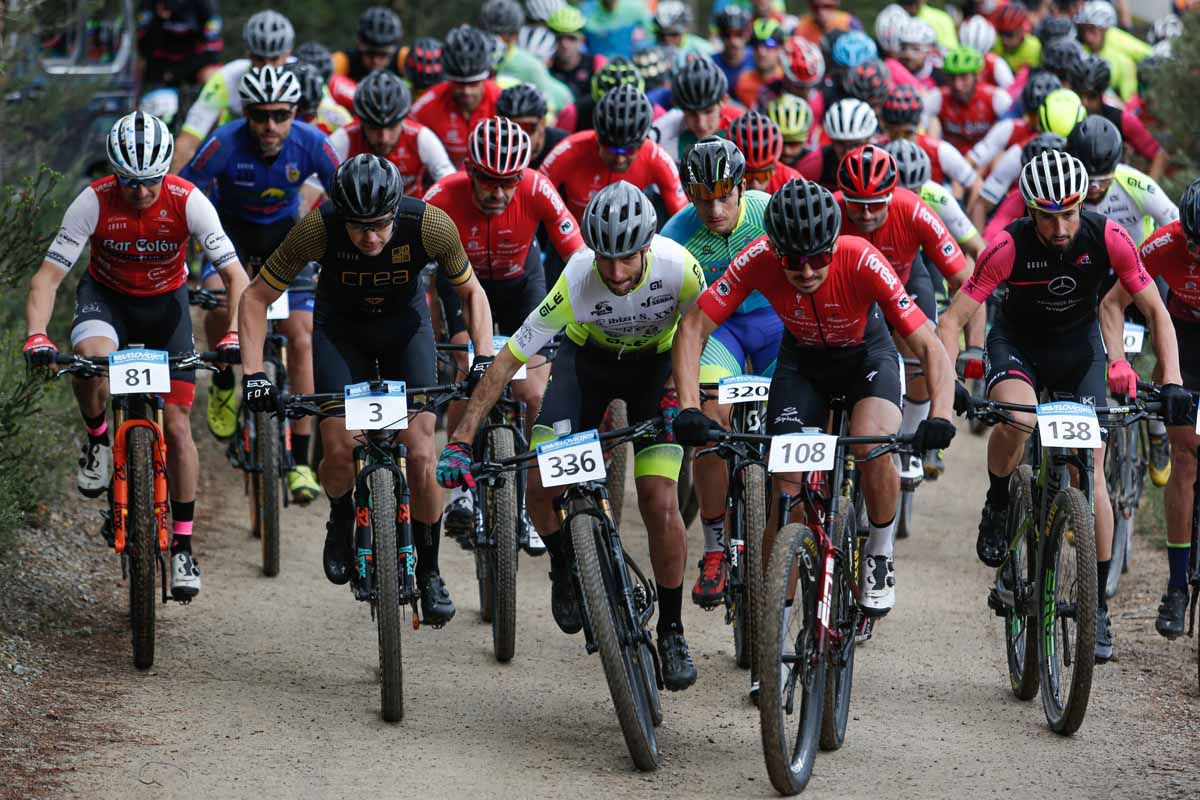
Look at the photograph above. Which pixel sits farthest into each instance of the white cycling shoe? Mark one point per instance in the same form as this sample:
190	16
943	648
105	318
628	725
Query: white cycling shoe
879	586
185	577
95	469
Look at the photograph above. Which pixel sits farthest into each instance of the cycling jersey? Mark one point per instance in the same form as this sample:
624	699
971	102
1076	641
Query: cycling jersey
175	47
575	166
820	165
674	136
351	65
946	161
1012	207
219	101
498	245
836	315
1004	134
524	67
341	88
356	285
1165	254
419	154
579	78
942	201
437	110
140	253
831	20
1136	203
330	115
252	189
996	71
942	23
1050	291
964	124
630	326
910	226
616	32
1123	70
782	174
1027	54
732	71
1002	176
1133	131
751	83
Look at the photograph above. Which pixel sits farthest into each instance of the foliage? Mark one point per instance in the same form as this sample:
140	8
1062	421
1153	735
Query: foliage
1175	103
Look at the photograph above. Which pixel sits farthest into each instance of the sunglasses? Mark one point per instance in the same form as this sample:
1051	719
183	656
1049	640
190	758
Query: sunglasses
621	150
491	181
874	204
1051	207
721	189
1099	181
261	115
137	183
355	226
760	175
816	261
768	43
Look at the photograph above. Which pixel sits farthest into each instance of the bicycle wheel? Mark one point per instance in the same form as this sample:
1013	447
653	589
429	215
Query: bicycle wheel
141	544
620	651
1117	472
1067	590
752	506
976	387
386	561
689	503
618	460
266	447
500	518
843	616
794	636
1020	575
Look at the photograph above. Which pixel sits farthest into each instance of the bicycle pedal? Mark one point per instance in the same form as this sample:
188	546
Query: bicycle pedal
995	603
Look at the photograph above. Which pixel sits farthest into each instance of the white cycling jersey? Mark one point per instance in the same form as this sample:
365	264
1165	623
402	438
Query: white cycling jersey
942	201
219	101
1136	203
1007	170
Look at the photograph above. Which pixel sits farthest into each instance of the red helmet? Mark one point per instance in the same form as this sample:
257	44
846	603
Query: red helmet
803	62
866	173
499	148
759	139
1012	17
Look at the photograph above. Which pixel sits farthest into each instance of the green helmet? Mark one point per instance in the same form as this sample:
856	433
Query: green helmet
963	60
1060	112
613	74
793	115
567	19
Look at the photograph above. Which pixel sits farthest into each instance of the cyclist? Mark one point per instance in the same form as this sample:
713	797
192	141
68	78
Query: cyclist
761	144
1013	132
848	123
570	63
766	41
672	28
1096	25
1018	47
915	172
384	127
179	42
733	29
967	107
379	33
1046	337
701	99
372	243
580	115
804	70
619	148
794	118
535	35
901	116
941	22
503	19
722	219
525	105
869	82
824	287
256	166
340	87
619	301
138	222
423	65
316	106
1090	78
979	35
616	27
917	47
1171	253
468	95
268	36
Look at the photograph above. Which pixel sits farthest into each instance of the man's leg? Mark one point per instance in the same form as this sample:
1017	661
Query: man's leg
436	606
298	328
183	474
875	416
95	465
1178	500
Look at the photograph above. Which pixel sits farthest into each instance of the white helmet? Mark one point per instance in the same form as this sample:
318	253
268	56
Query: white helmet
262	85
268	34
1054	181
538	40
140	146
542	10
887	27
1166	27
917	31
850	120
1097	13
977	33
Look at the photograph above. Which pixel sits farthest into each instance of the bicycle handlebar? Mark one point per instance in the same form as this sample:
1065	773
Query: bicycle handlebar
304	405
485	468
97	366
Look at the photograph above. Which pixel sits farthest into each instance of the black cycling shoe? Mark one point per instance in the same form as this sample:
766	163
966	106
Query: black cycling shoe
1104	637
436	606
678	669
338	554
564	602
991	545
1171	613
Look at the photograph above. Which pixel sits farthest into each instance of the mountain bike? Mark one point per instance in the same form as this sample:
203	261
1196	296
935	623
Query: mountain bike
137	522
385	556
1125	465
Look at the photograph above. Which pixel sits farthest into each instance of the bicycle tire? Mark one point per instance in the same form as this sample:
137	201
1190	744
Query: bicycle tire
1070	532
483	578
141	544
843	614
789	764
754	521
904	514
253	483
266	445
618	461
689	502
386	566
1116	473
1021	641
624	684
501	518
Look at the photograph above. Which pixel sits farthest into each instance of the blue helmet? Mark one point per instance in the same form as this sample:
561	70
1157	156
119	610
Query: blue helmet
853	48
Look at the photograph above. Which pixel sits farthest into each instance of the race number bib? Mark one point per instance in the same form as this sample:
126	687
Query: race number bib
573	459
498	343
1134	336
743	389
373	411
1066	424
139	371
802	452
279	309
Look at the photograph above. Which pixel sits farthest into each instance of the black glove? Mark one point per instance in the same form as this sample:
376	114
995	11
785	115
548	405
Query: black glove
962	399
934	433
478	367
692	428
259	393
1179	406
228	350
39	350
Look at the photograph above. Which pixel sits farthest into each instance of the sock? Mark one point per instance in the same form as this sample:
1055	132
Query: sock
670	608
913	414
1177	559
554	545
426	538
97	428
341	509
714	534
1102	582
182	515
882	538
225	379
997	494
300	448
1158	427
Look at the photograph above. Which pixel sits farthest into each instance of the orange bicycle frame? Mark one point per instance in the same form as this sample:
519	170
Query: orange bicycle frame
121	483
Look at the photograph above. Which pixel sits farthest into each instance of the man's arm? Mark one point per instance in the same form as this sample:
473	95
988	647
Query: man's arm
1162	332
478	314
490	387
1112	321
43	288
78	224
205	227
950	324
939	375
694	330
252	322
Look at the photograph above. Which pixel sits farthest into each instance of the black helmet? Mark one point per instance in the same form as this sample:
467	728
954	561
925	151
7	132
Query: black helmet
467	54
1189	211
1051	28
733	18
522	100
1060	55
1039	84
868	81
319	56
1098	144
312	87
653	64
380	27
699	84
623	117
501	17
381	99
711	161
366	187
1041	143
1090	75
903	106
423	63
802	218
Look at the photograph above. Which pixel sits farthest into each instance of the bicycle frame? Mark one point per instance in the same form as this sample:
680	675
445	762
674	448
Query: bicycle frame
378	452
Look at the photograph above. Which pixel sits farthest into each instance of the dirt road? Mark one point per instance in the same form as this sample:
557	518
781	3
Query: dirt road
266	688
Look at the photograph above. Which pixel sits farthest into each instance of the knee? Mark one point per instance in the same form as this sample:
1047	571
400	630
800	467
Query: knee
659	506
178	426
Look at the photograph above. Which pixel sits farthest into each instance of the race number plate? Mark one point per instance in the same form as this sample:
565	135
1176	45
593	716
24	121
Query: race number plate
373	411
137	371
498	343
743	389
279	309
802	452
1134	336
573	459
1066	424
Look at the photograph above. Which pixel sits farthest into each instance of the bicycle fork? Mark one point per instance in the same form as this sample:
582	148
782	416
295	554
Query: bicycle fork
364	537
120	492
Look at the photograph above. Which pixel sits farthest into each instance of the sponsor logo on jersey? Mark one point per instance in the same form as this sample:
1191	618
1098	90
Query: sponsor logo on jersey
880	268
272	194
1062	285
214	240
657	300
401	254
566	225
1158	241
903	301
722	287
141	246
930	219
1083	260
947	249
292	171
1037	264
602	308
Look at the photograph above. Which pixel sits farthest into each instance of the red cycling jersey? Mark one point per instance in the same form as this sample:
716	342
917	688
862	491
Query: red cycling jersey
836	314
341	88
418	155
576	166
1165	253
437	110
911	225
963	124
782	174
498	245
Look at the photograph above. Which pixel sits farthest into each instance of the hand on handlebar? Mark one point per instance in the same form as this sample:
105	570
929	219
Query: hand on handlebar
259	393
228	349
962	399
454	466
934	433
693	428
1122	380
1179	406
39	350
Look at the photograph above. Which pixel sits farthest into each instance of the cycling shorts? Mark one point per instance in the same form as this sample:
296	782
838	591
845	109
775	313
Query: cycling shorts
743	344
511	301
584	380
1067	366
254	243
920	287
159	322
345	350
1188	336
